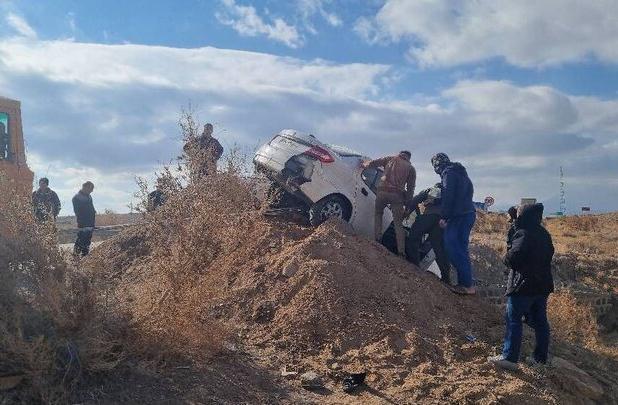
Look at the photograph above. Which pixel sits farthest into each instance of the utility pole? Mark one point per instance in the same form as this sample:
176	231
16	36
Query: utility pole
562	193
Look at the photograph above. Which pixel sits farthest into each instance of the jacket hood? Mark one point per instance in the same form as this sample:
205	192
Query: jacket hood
456	167
530	216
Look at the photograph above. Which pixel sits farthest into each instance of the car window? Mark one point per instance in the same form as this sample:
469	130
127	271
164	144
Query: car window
372	176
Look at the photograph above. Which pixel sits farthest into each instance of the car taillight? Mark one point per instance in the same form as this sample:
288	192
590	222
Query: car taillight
321	154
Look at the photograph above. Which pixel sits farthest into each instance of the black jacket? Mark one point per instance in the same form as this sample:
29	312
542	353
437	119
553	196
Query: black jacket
457	191
530	255
46	204
84	210
430	205
155	200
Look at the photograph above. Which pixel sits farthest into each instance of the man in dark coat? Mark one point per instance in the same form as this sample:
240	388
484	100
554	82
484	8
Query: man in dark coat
458	217
85	215
203	153
427	204
157	197
45	202
529	284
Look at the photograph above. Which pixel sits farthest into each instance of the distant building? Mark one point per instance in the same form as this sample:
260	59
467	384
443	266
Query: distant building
12	151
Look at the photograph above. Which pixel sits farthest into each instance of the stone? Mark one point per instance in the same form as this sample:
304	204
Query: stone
311	380
290	269
288	374
575	380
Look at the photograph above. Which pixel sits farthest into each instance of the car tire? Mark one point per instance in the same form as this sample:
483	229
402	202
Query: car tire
329	207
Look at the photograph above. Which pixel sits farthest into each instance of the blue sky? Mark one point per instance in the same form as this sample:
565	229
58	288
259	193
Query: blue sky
512	89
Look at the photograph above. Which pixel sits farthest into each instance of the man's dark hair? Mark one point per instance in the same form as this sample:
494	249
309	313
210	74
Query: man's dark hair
407	153
44	180
88	184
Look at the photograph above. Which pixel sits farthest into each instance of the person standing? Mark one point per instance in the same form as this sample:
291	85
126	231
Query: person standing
529	284
204	152
458	217
395	190
86	216
45	202
157	197
428	205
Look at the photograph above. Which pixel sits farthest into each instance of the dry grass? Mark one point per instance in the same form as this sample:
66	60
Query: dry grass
203	218
52	331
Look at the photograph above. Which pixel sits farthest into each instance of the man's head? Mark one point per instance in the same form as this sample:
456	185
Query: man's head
208	128
43	183
440	161
512	213
87	187
405	154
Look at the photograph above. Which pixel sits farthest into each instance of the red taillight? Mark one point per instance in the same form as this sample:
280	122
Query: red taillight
321	154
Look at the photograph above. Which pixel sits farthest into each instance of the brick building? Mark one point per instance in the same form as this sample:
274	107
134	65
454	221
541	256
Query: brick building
12	151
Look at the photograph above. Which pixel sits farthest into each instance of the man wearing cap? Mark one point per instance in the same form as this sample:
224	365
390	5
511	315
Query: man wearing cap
457	218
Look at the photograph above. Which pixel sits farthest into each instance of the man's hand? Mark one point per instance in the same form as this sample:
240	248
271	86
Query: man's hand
443	223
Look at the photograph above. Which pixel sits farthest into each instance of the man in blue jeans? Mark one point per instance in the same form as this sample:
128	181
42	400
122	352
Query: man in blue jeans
529	284
458	216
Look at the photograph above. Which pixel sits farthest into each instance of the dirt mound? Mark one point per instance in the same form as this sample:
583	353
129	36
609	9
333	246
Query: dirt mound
329	301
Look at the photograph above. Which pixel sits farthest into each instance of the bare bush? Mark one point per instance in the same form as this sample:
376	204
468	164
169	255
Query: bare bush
52	332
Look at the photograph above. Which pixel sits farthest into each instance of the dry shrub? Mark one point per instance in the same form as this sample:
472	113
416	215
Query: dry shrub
489	223
203	218
52	331
109	218
571	320
584	223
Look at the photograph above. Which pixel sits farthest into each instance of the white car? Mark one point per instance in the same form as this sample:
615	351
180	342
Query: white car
328	180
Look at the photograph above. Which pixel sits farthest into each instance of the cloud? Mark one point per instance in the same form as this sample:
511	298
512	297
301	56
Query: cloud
246	21
109	112
309	8
20	25
526	33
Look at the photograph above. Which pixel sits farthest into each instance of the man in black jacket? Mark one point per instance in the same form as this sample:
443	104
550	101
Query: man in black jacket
45	202
427	205
85	215
529	284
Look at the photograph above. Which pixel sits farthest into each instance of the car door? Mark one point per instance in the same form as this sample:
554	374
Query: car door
367	181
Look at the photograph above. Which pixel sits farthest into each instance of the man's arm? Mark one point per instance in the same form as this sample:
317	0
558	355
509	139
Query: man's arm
56	203
516	256
381	162
410	183
417	199
449	185
218	149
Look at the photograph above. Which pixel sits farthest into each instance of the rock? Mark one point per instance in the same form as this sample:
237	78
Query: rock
290	269
10	382
335	366
575	380
311	380
288	374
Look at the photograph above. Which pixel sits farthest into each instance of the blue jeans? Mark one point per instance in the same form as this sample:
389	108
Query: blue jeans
533	309
456	240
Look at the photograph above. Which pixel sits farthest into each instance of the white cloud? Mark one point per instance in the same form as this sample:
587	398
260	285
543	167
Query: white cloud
527	33
309	8
107	112
20	25
246	21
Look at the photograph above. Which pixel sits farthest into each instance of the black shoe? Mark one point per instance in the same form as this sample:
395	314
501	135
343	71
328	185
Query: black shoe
353	381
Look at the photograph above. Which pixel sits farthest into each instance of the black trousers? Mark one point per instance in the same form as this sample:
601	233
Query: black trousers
82	244
429	224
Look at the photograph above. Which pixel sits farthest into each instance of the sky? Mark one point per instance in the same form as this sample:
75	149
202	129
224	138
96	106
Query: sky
512	89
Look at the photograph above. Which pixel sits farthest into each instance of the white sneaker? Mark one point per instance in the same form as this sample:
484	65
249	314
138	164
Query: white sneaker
500	361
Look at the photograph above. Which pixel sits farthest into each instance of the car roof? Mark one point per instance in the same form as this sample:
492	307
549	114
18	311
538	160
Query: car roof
342	151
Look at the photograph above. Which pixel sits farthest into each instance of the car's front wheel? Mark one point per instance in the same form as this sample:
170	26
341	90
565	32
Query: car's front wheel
333	206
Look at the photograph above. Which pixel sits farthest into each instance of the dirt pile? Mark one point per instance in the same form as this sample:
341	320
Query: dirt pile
329	301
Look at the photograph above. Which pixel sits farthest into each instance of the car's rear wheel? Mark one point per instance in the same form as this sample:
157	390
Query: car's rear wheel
333	206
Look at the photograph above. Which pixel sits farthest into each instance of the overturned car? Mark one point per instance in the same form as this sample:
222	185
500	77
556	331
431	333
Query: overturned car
327	181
